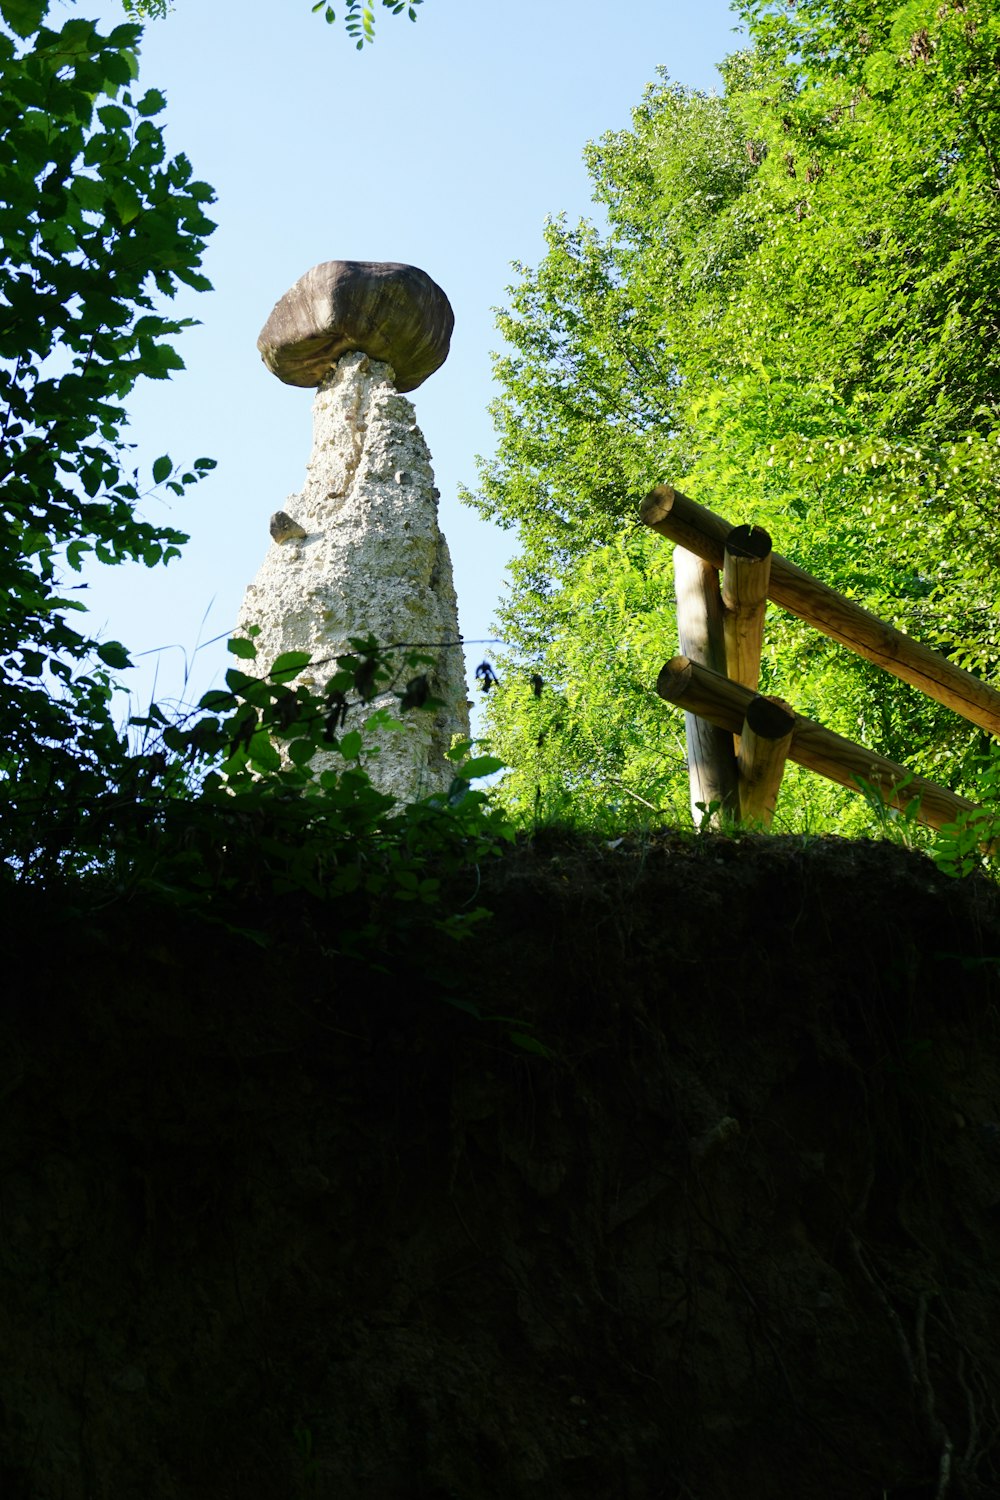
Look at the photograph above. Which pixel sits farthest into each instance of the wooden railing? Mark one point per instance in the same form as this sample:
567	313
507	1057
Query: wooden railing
738	741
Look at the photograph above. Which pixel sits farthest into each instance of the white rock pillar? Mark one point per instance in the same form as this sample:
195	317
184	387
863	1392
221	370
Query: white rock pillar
359	550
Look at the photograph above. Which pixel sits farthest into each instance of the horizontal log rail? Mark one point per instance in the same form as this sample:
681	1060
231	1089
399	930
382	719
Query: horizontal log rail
701	531
725	703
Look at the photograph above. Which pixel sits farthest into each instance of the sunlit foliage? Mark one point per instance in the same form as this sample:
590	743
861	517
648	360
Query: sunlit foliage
791	315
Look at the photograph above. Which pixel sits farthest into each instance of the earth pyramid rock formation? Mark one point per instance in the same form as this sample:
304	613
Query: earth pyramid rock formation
359	550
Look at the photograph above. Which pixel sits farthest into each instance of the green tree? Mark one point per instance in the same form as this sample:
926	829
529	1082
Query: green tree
99	226
791	315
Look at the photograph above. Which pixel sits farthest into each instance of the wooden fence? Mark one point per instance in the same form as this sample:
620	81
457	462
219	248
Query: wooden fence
738	740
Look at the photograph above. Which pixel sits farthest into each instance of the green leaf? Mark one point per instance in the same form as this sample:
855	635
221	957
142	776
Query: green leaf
350	745
162	468
89	193
24	16
113	654
467	1005
113	117
126	200
289	664
529	1043
152	102
32	663
481	765
262	755
242	648
383	719
216	701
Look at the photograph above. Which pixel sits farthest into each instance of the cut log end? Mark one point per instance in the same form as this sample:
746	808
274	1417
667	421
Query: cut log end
749	541
674	679
770	718
764	746
657	504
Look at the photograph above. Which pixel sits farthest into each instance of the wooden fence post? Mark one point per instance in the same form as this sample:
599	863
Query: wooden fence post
698	690
690	525
746	572
711	758
764	746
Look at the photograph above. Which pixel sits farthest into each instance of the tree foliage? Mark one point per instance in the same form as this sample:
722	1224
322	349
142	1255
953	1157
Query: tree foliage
99	226
358	16
278	800
263	790
791	315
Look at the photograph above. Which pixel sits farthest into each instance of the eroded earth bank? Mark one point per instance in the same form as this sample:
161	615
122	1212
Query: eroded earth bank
274	1224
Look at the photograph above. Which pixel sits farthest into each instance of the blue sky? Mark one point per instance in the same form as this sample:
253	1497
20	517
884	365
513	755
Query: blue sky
445	145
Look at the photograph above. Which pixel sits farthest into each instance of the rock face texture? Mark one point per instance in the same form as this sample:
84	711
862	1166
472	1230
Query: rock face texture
391	312
371	558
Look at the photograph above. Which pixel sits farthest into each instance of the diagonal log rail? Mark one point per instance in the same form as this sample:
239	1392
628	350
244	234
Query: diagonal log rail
700	691
701	531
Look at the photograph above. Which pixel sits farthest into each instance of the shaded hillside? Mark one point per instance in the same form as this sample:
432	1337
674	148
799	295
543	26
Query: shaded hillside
276	1226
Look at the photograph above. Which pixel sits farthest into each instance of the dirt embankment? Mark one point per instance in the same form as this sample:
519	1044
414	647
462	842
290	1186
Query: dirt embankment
276	1226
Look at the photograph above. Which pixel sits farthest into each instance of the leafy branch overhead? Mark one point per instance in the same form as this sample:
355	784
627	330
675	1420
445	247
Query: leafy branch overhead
358	16
100	226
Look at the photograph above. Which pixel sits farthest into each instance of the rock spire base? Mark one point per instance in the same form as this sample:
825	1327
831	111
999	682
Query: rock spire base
365	555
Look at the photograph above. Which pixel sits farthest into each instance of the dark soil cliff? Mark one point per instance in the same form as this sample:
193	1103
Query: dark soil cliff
273	1225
